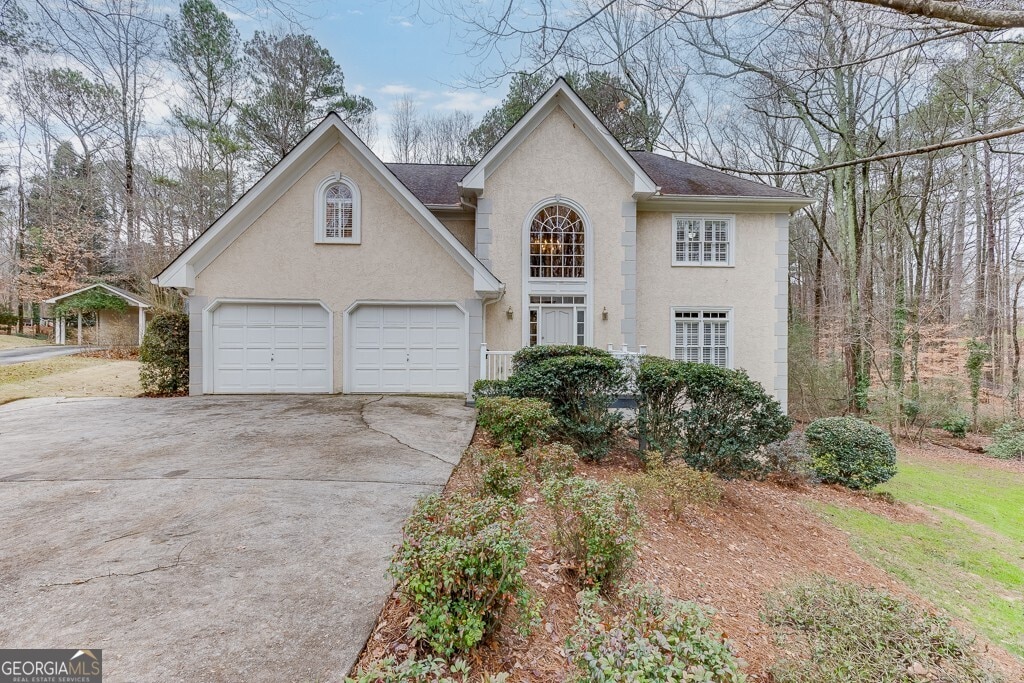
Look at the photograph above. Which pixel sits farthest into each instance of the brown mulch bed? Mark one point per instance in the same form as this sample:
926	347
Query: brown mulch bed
760	537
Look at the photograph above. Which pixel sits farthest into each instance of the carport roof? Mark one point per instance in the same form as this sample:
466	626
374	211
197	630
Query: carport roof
133	299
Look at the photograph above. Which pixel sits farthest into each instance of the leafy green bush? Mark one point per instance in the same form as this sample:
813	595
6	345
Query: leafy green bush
1007	441
716	419
850	452
956	424
8	318
501	473
553	460
850	634
596	527
580	383
412	670
650	638
676	484
460	566
487	388
164	354
532	356
519	422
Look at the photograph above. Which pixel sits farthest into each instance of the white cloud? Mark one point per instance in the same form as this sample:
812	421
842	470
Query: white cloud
357	12
400	90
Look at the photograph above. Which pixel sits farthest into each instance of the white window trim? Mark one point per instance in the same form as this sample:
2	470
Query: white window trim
320	213
730	353
545	286
731	228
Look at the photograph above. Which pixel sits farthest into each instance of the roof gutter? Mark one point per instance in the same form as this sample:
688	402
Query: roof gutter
769	204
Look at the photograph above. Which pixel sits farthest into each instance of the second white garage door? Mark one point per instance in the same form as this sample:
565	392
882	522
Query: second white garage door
407	349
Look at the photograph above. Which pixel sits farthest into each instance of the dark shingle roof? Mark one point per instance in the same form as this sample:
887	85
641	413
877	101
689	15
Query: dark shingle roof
680	178
433	184
437	184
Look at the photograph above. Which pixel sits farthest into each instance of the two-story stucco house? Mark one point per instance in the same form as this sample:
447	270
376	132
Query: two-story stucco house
337	272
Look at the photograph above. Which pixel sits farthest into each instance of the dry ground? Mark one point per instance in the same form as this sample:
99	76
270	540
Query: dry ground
761	537
69	376
10	341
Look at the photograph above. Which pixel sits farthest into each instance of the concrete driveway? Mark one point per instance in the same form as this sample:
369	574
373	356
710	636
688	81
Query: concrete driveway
212	538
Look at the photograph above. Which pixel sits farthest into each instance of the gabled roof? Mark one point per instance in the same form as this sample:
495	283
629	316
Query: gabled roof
181	272
133	299
561	94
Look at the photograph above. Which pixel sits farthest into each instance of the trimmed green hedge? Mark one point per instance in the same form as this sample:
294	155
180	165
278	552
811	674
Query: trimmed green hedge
518	422
580	383
714	418
851	452
164	354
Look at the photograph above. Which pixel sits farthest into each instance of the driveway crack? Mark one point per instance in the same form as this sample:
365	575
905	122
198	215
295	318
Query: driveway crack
362	416
159	567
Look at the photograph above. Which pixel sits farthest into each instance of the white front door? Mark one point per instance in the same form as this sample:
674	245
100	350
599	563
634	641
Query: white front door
556	325
407	349
270	348
557	319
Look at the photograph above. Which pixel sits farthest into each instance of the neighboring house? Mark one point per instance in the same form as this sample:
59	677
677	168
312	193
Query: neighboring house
111	327
337	272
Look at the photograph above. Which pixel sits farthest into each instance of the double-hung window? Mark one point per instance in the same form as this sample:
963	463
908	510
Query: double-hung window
702	336
703	240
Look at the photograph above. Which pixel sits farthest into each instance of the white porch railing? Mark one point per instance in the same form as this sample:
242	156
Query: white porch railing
498	364
495	364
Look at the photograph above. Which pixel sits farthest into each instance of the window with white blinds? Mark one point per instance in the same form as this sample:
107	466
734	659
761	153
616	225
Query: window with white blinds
703	240
337	211
702	336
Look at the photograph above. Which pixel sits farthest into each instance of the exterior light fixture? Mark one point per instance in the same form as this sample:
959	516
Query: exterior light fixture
509	313
604	313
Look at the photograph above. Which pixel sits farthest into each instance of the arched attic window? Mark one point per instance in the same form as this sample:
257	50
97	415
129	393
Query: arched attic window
337	211
557	243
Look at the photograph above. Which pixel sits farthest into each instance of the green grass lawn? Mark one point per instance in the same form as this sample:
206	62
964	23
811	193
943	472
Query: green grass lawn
970	559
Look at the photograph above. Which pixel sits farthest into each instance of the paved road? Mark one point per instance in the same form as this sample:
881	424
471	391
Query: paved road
212	538
29	353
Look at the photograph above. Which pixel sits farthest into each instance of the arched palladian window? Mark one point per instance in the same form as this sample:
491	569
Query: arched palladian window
337	210
557	243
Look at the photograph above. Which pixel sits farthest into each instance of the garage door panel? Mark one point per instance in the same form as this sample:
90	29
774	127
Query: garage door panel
287	337
314	337
259	314
259	336
415	348
448	337
271	348
231	314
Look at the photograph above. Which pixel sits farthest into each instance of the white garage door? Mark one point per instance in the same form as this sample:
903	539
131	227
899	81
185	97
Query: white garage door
271	348
407	349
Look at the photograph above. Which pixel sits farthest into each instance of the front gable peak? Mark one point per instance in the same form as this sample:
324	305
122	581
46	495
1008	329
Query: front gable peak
561	95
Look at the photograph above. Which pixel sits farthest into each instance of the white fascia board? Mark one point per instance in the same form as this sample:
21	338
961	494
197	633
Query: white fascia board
724	203
560	94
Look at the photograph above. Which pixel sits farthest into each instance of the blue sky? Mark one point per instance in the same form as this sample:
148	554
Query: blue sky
386	50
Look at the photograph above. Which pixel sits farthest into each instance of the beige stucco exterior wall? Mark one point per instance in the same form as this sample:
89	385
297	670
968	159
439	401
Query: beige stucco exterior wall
276	257
459	225
555	159
749	288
